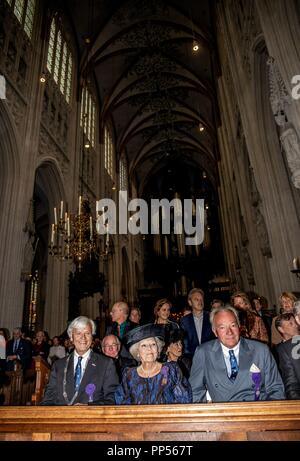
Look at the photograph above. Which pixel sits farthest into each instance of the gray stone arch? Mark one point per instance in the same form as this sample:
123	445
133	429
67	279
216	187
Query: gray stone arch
11	220
53	274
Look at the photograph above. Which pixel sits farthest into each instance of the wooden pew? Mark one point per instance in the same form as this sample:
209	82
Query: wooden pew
270	421
26	388
12	388
42	371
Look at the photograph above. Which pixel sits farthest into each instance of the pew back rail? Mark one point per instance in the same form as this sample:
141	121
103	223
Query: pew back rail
278	420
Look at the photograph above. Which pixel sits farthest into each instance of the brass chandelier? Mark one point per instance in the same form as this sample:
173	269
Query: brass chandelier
74	237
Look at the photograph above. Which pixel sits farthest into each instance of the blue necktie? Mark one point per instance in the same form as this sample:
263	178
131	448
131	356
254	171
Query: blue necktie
77	376
16	345
234	365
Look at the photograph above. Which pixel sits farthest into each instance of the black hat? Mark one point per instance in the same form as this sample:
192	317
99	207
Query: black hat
137	334
175	336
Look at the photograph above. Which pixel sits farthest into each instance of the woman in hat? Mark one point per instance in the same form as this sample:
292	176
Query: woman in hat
151	382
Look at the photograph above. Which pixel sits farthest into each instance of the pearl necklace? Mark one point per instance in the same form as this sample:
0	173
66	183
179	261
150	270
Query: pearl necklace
151	372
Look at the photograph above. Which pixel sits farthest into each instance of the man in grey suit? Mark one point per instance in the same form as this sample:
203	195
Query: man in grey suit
83	377
232	368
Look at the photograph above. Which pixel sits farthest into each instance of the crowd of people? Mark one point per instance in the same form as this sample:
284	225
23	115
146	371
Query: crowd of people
230	352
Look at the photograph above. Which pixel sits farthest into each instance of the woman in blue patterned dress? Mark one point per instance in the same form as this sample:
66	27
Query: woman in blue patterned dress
151	382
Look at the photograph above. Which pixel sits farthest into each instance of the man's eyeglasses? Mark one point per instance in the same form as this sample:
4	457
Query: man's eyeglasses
110	346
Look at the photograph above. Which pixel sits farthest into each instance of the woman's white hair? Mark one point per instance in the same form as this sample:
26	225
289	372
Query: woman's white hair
80	323
134	349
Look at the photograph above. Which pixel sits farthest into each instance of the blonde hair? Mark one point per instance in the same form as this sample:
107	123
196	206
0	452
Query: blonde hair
159	305
287	294
243	295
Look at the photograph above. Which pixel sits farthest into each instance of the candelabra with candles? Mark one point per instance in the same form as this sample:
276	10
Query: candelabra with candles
73	237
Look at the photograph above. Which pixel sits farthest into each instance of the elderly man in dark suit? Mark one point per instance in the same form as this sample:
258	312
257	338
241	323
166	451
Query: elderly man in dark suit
83	377
233	368
18	349
196	325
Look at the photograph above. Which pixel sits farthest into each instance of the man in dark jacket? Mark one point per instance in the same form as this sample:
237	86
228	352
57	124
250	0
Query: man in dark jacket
111	347
196	326
83	377
18	349
120	324
288	353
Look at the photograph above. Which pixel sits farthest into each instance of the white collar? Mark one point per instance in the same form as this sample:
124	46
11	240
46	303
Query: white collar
235	349
84	356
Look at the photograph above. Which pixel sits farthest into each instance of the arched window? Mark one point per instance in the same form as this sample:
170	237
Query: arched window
123	175
88	115
24	12
59	60
108	152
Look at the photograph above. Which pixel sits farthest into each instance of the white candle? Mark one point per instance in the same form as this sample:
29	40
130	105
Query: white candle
107	235
66	221
55	216
296	264
61	209
68	226
91	228
79	210
52	234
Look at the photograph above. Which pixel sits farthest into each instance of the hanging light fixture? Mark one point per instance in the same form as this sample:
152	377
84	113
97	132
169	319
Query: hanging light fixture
195	46
74	236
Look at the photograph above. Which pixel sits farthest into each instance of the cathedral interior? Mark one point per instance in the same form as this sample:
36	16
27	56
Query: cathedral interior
161	99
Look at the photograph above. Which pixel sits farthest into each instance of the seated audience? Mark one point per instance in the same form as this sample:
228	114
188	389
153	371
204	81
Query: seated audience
289	361
151	382
18	349
4	336
287	326
69	346
174	352
41	346
196	326
111	347
120	324
286	301
83	377
135	315
57	351
232	368
252	326
260	305
162	311
216	303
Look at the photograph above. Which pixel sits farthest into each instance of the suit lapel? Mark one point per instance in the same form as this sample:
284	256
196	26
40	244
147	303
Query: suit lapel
70	378
193	331
245	360
218	363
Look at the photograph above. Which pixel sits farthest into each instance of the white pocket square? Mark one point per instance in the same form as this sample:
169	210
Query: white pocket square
254	369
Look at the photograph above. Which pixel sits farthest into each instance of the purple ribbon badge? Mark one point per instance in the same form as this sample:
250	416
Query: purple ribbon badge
89	390
256	378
